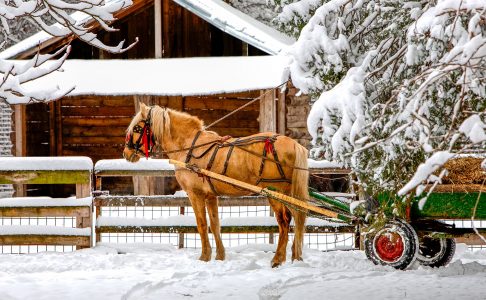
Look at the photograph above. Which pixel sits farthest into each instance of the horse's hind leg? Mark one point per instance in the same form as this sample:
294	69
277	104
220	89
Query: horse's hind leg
199	207
283	216
299	230
212	205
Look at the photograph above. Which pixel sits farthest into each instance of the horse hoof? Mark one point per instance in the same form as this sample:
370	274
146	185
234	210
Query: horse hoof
297	259
205	258
220	256
276	264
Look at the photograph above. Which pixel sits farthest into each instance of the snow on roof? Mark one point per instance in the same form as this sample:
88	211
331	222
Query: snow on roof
168	77
239	25
72	163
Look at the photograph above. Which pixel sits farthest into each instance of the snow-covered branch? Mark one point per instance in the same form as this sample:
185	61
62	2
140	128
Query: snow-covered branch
396	83
76	18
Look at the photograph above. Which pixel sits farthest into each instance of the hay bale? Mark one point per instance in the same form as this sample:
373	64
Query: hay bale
464	170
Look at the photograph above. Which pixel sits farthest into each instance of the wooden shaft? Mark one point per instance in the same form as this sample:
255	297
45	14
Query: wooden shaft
257	189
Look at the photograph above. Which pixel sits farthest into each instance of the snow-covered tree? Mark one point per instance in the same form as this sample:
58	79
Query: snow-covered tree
70	17
400	86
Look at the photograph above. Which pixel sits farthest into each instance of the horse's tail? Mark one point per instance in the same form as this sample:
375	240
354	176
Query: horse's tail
300	175
299	190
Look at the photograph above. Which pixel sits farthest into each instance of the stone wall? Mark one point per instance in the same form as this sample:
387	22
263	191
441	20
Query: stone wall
6	190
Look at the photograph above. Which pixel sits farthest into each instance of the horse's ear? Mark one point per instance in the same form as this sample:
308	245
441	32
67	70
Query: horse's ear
143	110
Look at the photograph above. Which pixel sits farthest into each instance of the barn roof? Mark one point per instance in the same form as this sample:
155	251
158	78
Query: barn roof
216	12
168	77
238	24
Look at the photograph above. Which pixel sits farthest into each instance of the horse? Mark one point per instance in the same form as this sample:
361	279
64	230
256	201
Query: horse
264	159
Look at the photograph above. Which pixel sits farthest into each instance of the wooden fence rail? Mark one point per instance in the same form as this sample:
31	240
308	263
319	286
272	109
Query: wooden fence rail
47	170
146	170
80	170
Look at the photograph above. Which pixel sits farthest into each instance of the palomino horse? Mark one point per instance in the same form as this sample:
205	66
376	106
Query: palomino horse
263	159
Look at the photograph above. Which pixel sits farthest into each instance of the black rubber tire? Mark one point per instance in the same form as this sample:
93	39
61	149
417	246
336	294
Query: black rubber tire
395	245
436	253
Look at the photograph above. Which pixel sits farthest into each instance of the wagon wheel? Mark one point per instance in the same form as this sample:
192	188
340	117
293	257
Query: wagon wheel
436	252
395	244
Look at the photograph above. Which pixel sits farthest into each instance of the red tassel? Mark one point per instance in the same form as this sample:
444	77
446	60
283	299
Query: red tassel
145	142
268	146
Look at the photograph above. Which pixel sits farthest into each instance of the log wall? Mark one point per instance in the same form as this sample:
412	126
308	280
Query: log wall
298	108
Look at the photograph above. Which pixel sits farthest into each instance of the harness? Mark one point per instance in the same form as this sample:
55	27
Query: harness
268	147
146	137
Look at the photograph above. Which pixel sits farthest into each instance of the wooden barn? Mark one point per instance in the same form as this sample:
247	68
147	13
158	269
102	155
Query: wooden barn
203	57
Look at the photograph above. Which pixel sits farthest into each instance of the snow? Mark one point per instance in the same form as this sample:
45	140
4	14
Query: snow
71	163
124	165
168	77
148	272
473	128
163	164
43	230
425	169
323	164
44	202
238	24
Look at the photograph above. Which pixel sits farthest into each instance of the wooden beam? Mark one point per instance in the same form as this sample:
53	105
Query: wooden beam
83	241
143	185
281	113
53	211
83	190
45	177
20	141
58	129
224	229
52	129
268	113
174	201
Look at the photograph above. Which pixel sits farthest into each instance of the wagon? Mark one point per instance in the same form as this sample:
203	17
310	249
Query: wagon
423	235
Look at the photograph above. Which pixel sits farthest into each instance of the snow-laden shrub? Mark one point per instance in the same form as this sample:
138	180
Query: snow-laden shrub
399	84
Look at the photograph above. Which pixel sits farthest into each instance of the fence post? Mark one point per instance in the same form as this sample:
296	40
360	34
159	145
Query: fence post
181	235
82	191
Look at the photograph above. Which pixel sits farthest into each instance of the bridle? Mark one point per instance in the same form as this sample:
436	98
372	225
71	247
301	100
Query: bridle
146	137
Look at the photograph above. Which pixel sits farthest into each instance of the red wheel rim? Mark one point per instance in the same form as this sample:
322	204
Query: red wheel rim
389	246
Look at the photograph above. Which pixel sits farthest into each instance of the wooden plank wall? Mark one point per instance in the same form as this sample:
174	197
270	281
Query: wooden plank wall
94	126
211	108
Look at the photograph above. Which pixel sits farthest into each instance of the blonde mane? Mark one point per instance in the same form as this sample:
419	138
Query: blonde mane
162	117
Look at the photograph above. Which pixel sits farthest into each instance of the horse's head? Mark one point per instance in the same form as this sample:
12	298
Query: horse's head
140	141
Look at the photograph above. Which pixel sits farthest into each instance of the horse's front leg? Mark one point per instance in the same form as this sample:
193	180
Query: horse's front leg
212	204
199	207
283	216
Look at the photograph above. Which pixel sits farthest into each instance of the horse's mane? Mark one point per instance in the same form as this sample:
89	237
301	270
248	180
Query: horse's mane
162	117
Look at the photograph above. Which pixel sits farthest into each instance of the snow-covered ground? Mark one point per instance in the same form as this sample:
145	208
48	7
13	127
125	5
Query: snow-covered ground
164	272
